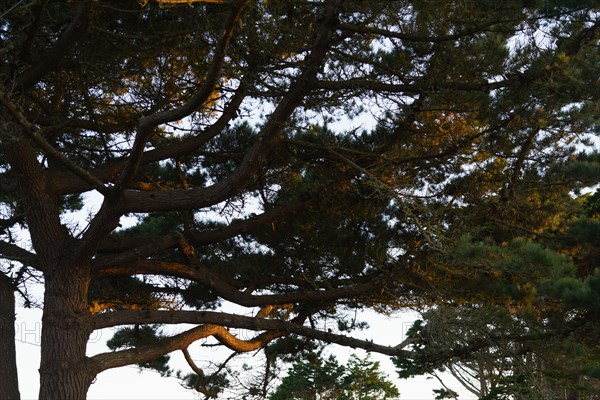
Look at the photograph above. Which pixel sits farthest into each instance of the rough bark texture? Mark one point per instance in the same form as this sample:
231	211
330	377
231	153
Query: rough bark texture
64	373
9	381
65	322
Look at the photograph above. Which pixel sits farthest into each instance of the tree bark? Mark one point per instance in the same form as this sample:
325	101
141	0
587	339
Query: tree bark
9	381
65	372
66	322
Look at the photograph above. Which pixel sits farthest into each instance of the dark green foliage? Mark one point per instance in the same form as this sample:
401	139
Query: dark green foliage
521	271
581	294
210	386
582	168
445	394
154	225
73	203
198	297
143	335
327	379
592	205
409	368
293	349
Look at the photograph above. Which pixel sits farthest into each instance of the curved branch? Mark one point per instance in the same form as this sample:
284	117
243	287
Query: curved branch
228	292
200	378
104	361
188	358
278	327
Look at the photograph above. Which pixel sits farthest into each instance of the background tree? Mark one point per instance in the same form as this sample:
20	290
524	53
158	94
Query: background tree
235	132
539	303
327	379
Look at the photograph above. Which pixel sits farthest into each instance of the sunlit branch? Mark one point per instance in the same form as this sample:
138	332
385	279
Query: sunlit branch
237	321
181	341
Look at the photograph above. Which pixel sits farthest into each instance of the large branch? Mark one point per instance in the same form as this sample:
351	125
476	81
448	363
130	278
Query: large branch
40	200
9	251
181	341
242	322
282	327
222	288
143	249
137	248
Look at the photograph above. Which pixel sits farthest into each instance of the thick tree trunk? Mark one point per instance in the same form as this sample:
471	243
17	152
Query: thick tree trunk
9	381
65	372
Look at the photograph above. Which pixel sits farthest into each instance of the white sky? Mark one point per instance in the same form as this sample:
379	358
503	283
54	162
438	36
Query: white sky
130	383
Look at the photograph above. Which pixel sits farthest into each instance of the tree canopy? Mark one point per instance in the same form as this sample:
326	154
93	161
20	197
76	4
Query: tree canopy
327	379
302	160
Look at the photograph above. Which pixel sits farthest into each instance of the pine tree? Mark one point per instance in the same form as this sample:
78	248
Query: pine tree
301	159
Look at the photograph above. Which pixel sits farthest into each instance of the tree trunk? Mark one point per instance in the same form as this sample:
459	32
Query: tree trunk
9	381
65	372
